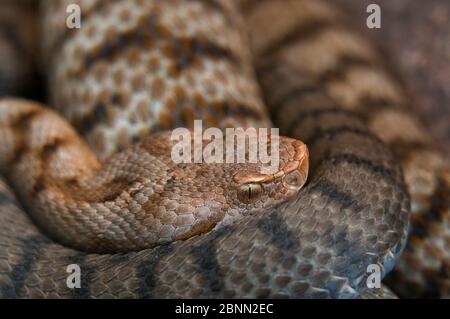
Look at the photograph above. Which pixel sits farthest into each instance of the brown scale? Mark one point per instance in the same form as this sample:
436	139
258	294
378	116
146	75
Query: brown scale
19	126
187	54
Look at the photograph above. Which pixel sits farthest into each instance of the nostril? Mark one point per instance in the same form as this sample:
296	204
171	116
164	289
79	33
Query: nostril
294	180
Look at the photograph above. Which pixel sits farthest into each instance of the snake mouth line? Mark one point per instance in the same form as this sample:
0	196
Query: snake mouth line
294	172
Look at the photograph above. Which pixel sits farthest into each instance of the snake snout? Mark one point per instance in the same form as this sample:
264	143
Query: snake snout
294	181
297	174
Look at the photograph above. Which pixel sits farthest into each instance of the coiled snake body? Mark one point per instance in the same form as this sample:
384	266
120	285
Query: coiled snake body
156	65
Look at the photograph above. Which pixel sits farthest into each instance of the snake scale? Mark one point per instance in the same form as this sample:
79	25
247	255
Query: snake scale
139	67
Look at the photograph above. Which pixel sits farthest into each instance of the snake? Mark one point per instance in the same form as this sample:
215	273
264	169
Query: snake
138	68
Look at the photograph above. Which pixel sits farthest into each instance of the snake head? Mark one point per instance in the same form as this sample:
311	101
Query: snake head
262	189
201	196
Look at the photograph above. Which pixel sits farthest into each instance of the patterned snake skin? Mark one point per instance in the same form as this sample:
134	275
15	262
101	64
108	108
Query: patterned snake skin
353	73
137	67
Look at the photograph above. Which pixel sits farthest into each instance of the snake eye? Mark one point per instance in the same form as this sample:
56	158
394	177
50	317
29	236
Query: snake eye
250	192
